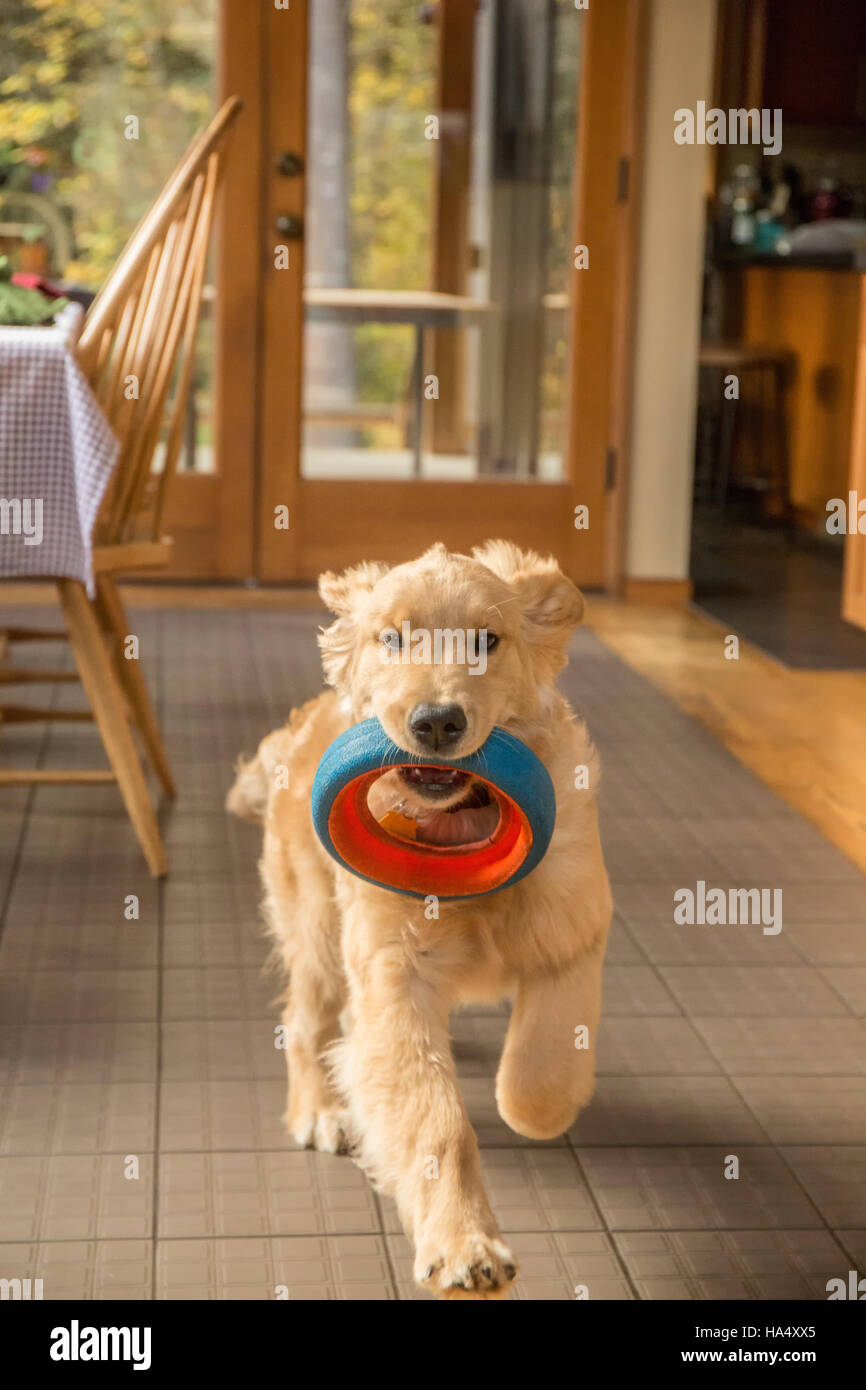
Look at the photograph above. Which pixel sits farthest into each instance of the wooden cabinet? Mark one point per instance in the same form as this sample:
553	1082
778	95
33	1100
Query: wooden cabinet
854	592
816	316
815	61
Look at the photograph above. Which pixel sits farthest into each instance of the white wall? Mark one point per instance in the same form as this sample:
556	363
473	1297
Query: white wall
669	282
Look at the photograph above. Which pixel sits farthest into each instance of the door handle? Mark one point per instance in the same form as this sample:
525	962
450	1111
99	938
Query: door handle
290	226
290	164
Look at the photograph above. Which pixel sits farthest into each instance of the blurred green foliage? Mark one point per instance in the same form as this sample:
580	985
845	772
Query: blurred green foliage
392	88
71	71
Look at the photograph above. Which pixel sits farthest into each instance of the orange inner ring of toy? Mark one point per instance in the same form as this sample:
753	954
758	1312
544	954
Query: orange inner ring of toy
446	870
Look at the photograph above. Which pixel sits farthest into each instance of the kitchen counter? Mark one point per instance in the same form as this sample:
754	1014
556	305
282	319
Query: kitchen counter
771	260
815	314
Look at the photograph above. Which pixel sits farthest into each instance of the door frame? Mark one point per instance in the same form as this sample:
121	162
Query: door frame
259	328
212	516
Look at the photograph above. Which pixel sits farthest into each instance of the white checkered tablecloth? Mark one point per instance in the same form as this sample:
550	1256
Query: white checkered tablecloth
56	453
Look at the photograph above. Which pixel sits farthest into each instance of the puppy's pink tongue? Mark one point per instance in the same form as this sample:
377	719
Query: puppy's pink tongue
469	827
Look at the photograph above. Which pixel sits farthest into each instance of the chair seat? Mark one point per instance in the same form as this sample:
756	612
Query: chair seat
141	326
132	555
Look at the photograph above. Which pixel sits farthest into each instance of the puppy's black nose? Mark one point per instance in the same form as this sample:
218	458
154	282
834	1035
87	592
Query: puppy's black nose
437	726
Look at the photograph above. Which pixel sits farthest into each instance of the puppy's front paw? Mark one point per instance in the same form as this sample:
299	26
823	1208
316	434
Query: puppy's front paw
471	1265
325	1130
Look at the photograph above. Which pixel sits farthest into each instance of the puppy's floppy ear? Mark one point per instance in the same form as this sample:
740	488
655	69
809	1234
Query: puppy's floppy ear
552	606
343	593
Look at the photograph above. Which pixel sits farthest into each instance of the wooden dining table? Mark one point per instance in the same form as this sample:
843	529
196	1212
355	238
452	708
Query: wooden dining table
57	452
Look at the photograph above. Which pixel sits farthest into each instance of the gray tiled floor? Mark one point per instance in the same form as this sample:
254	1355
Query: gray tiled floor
141	1150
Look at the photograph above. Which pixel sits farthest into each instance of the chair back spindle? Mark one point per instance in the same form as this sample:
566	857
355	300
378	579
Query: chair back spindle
137	346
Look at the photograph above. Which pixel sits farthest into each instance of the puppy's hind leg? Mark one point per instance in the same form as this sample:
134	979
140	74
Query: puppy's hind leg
306	931
314	1113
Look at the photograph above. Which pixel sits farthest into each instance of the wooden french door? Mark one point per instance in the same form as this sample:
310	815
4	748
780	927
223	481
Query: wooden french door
369	406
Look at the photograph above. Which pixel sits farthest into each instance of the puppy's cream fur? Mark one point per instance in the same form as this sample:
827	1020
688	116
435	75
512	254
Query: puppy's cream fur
373	974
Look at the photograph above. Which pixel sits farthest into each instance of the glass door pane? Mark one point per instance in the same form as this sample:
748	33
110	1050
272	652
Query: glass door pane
441	143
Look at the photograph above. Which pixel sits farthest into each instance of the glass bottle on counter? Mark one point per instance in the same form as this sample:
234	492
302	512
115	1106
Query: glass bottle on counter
744	200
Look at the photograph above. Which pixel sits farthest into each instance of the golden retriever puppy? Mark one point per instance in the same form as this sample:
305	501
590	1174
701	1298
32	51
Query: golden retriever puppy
373	974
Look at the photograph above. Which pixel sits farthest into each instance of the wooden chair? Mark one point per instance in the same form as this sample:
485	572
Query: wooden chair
136	349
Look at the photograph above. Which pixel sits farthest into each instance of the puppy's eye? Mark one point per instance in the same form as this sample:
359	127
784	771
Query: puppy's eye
391	638
486	641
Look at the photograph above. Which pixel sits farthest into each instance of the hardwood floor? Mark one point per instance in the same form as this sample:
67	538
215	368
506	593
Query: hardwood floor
801	732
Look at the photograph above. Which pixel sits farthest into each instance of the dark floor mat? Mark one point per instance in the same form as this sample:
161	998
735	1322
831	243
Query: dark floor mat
780	591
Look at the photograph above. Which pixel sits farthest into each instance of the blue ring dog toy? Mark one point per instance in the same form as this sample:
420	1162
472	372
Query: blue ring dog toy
517	781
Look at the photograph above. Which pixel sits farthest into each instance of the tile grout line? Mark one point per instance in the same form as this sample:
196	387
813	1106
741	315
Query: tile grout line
392	1272
157	1085
536	1145
160	954
13	876
601	1216
778	1150
484	1148
508	1230
27	815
